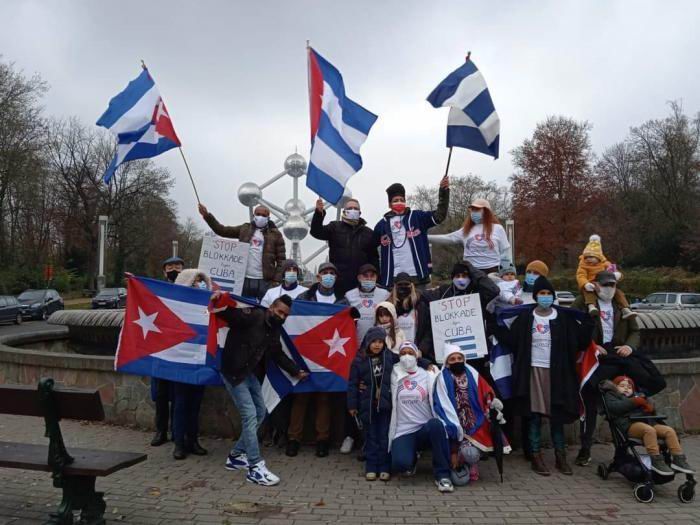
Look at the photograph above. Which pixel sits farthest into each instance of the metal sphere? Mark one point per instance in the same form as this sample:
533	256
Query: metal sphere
294	207
249	193
295	165
347	195
295	229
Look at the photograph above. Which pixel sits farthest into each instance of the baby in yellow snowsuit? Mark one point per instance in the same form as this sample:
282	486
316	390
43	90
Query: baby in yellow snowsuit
590	263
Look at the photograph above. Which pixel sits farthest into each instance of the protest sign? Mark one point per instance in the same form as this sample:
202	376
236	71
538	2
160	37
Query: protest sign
225	261
458	320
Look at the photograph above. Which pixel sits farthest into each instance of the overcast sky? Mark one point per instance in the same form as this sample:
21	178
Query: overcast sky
233	76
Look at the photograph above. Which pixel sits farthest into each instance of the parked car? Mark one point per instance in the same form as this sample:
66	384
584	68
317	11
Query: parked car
39	304
110	298
10	310
668	301
565	298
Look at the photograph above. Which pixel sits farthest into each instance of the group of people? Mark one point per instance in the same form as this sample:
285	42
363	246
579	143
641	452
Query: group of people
398	401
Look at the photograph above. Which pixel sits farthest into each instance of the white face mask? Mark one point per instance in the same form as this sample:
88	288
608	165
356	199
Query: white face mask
606	293
353	215
408	362
260	221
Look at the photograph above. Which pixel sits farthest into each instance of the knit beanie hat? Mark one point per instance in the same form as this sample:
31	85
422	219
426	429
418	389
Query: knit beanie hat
620	379
289	263
594	248
374	333
539	267
509	268
460	267
396	189
409	344
542	283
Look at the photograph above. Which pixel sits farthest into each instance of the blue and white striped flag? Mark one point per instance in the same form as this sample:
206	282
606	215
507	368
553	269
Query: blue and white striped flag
473	122
339	126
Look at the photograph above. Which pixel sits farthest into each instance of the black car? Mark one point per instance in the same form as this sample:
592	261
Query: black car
110	298
39	304
10	310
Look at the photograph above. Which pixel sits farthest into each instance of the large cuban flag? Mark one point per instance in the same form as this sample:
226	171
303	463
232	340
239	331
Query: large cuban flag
164	333
139	119
339	126
473	122
322	339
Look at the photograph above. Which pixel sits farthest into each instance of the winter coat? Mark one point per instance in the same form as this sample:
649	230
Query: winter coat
571	334
585	273
187	277
250	339
397	375
417	223
310	295
273	254
620	407
361	372
625	331
423	333
349	247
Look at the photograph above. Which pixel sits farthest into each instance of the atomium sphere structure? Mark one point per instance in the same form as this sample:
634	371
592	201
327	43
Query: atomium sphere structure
295	165
249	194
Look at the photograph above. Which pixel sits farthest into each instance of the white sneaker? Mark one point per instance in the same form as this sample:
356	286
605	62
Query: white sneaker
259	474
346	447
236	462
444	485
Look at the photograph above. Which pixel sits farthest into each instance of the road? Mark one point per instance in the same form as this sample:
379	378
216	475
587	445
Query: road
26	327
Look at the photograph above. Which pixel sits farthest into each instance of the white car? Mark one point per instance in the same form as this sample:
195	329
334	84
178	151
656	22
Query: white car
565	298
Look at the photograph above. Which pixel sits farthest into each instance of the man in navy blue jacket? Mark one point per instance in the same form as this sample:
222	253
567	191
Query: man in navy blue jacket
402	236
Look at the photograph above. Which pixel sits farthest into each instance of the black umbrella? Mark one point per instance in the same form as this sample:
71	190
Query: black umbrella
497	438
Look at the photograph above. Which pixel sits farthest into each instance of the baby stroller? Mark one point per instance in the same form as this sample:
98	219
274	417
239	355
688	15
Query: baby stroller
628	462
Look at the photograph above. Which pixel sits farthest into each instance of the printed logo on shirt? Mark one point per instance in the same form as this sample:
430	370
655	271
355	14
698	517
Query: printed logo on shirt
604	315
396	225
367	303
256	242
541	328
412	385
414	232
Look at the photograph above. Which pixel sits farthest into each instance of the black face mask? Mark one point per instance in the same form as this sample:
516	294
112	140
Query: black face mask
172	275
275	320
457	368
403	291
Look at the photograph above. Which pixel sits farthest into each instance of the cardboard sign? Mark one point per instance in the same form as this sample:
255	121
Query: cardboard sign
459	321
225	260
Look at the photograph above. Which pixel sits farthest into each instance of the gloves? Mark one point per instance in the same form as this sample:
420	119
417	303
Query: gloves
618	275
589	287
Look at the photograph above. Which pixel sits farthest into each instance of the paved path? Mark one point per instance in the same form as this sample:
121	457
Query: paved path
27	327
326	491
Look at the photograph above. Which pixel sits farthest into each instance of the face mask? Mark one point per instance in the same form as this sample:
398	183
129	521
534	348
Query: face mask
461	283
399	207
530	278
545	301
202	285
408	362
260	221
276	320
353	215
606	293
290	277
403	291
476	216
367	285
172	275
457	368
328	280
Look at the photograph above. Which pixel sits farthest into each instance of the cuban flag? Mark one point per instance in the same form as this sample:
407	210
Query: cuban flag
322	339
473	122
139	119
164	333
339	126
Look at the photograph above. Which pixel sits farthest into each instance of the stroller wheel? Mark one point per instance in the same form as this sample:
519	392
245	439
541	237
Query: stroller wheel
686	492
603	471
644	493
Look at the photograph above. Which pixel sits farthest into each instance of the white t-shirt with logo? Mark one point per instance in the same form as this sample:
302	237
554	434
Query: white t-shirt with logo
366	303
279	291
325	298
401	247
476	246
254	268
542	340
407	324
607	319
412	403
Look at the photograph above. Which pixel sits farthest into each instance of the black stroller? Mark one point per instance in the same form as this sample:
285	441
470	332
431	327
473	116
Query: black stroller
628	462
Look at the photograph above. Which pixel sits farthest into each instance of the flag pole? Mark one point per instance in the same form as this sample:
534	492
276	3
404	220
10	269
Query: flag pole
449	155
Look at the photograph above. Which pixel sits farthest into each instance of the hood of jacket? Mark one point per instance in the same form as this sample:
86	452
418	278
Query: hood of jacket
390	308
188	276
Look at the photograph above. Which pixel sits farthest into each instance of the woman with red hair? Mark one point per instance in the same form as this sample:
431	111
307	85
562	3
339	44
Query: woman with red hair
485	241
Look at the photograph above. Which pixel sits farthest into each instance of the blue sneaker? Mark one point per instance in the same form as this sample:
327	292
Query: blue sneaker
260	475
237	462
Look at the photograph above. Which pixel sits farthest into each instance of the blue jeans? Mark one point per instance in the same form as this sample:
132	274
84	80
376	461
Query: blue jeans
377	443
432	435
187	400
247	396
535	433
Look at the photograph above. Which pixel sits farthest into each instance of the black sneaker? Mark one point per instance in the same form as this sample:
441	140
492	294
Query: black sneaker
292	448
322	449
679	463
179	452
159	438
659	466
583	458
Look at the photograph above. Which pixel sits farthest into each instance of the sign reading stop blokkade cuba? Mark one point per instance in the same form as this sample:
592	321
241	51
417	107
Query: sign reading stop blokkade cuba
225	261
458	321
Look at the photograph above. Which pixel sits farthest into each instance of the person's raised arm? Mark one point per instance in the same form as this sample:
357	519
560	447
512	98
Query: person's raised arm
230	232
455	237
318	230
440	214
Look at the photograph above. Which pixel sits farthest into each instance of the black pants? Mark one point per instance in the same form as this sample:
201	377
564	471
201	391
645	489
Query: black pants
255	288
161	390
186	403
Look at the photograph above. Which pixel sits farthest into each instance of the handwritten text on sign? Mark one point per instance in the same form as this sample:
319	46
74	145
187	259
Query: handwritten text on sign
458	321
225	261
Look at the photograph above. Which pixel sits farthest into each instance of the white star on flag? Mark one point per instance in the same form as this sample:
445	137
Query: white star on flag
336	345
147	322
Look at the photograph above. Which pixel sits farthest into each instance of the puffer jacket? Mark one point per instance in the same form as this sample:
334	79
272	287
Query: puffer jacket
274	252
621	407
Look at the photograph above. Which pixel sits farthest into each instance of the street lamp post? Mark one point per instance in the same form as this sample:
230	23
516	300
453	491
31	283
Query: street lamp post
175	244
102	221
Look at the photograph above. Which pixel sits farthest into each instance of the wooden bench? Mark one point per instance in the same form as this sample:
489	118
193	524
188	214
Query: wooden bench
74	473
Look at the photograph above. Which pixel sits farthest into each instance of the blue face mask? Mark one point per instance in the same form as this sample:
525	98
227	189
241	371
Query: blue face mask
461	283
367	285
328	280
290	277
530	278
476	216
545	301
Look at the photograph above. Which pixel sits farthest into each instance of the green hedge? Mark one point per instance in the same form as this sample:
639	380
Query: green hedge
15	280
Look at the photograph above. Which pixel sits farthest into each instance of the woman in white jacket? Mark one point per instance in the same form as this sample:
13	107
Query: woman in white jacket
414	426
485	241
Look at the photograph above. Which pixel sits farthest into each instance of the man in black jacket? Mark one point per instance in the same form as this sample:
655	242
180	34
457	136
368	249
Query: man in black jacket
254	334
350	243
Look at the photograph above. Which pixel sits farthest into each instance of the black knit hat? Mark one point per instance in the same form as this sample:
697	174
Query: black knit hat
289	263
542	283
396	189
460	267
403	277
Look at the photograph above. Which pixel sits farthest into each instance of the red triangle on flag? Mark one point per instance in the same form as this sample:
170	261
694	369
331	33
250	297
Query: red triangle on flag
149	325
331	344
